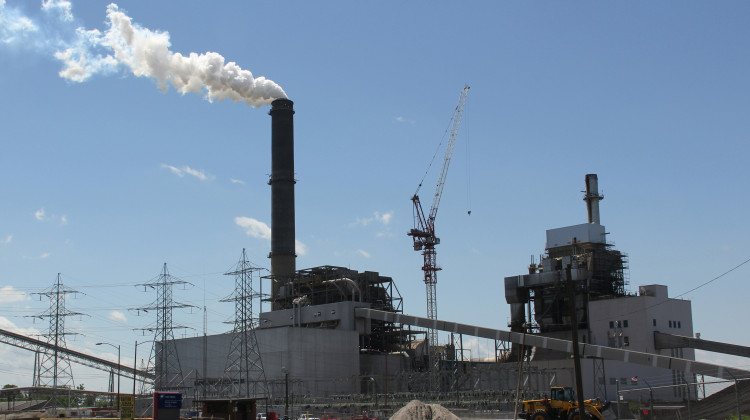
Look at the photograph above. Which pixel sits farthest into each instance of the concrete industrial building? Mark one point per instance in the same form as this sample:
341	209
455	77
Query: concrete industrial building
317	348
630	322
313	344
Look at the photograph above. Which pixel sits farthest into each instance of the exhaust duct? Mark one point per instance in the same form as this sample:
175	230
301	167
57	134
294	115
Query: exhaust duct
592	198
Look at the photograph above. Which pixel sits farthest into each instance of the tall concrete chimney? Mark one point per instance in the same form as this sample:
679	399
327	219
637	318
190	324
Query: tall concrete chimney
592	198
283	265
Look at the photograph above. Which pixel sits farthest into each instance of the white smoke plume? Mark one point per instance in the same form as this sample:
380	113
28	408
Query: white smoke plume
145	53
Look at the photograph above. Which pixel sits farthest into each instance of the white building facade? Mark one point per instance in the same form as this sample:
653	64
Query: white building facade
629	323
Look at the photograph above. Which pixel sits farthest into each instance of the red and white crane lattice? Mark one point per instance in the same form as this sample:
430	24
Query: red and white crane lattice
424	227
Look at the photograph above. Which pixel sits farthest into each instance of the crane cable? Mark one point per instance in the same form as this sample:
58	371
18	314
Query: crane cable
434	156
468	162
468	158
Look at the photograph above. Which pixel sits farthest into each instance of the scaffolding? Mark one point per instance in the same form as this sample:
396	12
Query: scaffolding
331	284
605	269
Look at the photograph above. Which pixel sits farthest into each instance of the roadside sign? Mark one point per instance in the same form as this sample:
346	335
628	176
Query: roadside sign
127	407
167	405
170	400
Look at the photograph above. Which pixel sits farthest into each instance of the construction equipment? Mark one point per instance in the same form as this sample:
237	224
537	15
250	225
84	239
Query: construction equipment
562	404
424	227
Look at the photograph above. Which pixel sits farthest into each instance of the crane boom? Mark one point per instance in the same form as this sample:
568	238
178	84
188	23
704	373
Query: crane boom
423	232
457	116
424	237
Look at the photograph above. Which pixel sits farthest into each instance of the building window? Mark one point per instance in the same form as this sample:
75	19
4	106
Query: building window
613	381
625	323
679	324
654	322
612	324
670	324
626	341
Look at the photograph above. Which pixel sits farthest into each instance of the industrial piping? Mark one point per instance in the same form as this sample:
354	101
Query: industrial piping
283	264
592	198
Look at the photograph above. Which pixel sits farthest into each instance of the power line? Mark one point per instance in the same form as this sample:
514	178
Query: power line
685	293
715	278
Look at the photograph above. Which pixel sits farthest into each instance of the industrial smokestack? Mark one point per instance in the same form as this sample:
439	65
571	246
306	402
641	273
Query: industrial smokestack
283	265
592	198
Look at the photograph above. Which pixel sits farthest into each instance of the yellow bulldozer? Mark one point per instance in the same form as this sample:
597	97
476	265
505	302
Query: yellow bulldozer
562	405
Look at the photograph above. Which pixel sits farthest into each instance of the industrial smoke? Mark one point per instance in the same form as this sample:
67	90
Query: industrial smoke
146	53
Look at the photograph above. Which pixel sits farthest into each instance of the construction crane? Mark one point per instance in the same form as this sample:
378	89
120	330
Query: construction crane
423	232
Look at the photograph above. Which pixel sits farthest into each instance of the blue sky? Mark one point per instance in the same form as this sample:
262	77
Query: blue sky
105	179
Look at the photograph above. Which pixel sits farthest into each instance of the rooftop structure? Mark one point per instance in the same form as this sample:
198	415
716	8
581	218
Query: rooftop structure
537	299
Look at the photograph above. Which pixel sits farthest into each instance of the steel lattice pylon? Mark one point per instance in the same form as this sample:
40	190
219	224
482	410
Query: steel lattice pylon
600	378
52	366
164	361
244	372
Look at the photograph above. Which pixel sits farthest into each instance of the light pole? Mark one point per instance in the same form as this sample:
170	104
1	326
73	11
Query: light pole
286	392
375	395
617	382
118	371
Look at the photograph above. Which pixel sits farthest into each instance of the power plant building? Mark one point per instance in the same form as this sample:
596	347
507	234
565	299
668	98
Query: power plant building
579	256
313	344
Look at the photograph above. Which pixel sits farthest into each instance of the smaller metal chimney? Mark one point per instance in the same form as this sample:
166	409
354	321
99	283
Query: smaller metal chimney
592	198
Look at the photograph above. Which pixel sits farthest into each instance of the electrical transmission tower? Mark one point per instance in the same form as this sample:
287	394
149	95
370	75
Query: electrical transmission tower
52	367
163	360
244	370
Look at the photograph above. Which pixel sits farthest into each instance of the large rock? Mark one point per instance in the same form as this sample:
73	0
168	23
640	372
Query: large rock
417	410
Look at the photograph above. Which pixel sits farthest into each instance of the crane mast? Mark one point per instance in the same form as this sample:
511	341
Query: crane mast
423	232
